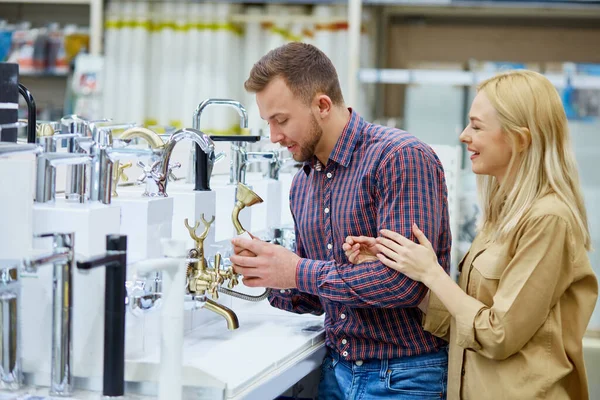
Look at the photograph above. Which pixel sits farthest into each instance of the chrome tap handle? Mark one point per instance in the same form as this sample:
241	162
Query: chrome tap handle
173	166
152	176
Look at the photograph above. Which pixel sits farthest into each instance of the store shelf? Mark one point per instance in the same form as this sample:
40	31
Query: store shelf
42	75
460	78
96	17
515	9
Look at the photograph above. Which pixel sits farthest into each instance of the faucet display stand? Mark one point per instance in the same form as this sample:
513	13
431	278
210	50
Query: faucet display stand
145	221
90	222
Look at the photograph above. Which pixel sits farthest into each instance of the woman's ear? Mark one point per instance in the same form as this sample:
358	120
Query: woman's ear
523	139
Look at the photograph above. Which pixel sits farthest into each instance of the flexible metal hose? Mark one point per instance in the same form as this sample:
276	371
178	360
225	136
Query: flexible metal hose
244	296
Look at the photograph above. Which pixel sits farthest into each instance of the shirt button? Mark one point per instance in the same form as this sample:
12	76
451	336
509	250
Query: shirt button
329	175
343	316
345	354
359	363
462	372
327	211
282	291
329	246
344	341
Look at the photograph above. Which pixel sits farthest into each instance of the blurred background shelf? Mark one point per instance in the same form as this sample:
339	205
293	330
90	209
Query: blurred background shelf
462	78
82	12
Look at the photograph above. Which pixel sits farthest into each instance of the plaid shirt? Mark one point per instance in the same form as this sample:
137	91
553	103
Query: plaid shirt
376	178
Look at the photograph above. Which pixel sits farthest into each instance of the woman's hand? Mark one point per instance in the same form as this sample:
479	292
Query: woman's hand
360	249
418	262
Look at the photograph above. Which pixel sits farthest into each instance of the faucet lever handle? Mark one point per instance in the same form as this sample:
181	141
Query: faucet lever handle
218	157
173	166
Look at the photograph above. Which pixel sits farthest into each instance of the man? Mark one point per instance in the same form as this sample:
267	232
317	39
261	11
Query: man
357	178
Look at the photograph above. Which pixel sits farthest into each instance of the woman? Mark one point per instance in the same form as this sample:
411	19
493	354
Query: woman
526	290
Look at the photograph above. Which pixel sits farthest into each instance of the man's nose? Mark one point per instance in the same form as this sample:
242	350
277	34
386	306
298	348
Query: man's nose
275	135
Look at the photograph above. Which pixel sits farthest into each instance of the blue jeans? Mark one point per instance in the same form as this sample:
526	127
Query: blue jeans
420	377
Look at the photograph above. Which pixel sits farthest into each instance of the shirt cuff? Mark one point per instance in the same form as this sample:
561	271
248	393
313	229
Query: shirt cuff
307	272
437	319
465	323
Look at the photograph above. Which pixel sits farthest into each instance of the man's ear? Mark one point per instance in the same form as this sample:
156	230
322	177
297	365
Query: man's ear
322	105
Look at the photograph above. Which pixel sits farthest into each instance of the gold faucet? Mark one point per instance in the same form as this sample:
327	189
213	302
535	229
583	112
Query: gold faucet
153	140
202	279
225	312
244	197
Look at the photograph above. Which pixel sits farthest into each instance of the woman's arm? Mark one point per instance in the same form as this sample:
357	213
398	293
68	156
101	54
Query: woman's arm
531	284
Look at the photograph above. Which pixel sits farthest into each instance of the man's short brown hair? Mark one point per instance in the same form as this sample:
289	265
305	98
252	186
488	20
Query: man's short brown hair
305	69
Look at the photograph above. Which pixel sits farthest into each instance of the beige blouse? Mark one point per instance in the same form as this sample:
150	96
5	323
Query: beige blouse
519	334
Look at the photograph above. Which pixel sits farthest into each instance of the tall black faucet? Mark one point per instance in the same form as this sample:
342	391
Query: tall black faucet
31	112
202	170
115	262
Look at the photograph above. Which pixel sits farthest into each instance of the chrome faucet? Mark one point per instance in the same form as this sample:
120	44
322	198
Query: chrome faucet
101	166
76	131
203	141
202	171
280	164
45	187
11	374
63	260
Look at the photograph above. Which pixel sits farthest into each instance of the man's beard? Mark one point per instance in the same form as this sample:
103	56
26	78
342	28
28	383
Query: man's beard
307	151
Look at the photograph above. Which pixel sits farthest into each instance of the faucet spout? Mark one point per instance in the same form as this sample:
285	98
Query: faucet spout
203	141
223	102
203	166
227	313
148	135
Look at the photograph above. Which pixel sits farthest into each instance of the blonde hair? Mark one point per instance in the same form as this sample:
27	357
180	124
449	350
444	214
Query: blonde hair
529	109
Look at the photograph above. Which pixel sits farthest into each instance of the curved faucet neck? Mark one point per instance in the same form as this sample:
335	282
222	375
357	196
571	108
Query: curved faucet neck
224	102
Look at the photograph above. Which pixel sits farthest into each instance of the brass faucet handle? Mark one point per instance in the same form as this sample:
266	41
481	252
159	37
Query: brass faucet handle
121	172
233	278
118	175
192	231
214	290
207	224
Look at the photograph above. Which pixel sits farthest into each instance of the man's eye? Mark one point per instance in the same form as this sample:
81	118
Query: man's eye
475	128
282	122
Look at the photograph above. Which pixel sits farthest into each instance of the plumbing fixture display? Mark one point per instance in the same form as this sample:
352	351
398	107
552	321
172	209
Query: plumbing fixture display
150	137
31	112
201	139
201	278
62	258
241	158
11	373
115	262
202	170
244	197
119	175
173	272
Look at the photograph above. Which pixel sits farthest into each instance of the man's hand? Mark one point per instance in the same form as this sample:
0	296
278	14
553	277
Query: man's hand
360	249
240	251
269	266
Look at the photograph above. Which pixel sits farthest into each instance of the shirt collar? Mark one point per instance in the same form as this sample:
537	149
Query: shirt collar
342	151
